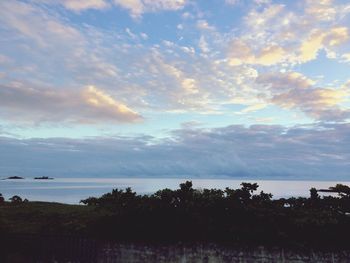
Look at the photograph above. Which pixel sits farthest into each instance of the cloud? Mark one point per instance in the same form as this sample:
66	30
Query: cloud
276	35
4	59
203	45
45	50
139	7
321	10
174	84
177	75
32	23
154	78
40	34
231	2
135	7
185	82
77	5
241	53
254	107
20	103
312	152
292	90
204	25
259	18
319	40
346	57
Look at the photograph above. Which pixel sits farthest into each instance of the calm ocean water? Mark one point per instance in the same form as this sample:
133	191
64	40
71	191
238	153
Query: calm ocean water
72	190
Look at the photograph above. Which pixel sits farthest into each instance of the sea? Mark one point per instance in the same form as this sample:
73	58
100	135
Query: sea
72	190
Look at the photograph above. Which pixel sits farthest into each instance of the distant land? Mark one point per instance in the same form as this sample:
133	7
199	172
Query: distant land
21	178
14	177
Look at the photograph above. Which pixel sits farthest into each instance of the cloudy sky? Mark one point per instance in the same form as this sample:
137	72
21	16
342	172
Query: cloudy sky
165	88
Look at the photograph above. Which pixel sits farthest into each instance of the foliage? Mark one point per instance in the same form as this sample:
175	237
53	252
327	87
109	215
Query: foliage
2	199
16	199
186	214
342	190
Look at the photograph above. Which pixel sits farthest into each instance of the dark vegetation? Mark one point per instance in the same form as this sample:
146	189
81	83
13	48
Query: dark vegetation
233	216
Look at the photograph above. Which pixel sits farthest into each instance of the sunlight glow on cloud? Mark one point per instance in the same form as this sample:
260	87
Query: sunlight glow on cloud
318	40
293	90
204	74
241	53
21	103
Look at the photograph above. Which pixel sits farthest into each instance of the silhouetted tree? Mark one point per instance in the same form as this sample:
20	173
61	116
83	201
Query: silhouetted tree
93	201
249	187
342	190
2	199
16	199
238	215
313	194
186	187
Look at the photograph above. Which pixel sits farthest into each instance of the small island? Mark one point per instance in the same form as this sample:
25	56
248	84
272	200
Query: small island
13	177
43	178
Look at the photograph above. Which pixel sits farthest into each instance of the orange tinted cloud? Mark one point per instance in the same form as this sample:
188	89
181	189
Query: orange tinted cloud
88	105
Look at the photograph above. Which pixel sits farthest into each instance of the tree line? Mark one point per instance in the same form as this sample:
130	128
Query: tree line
234	216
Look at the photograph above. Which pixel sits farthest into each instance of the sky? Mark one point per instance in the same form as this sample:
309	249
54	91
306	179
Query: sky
175	88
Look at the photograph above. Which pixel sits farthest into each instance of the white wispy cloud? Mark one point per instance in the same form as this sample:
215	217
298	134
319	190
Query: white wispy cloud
204	25
135	7
32	23
77	5
138	7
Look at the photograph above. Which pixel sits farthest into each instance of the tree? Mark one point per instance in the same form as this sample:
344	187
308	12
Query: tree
262	197
314	194
186	187
242	195
90	201
248	187
16	199
2	199
341	189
